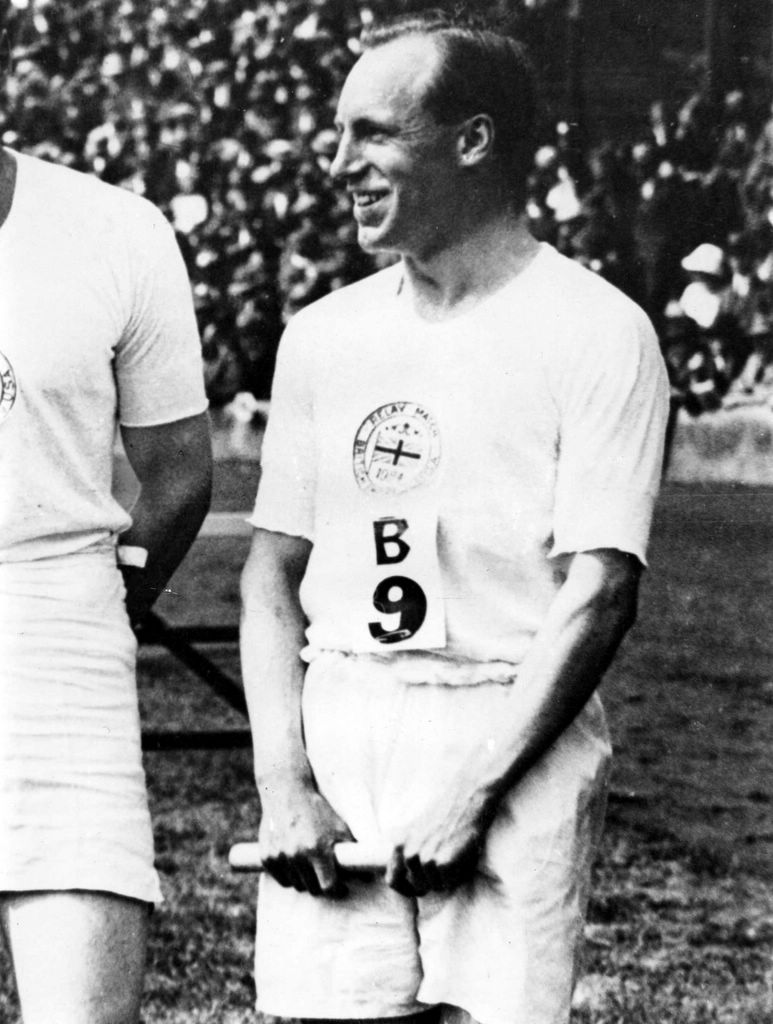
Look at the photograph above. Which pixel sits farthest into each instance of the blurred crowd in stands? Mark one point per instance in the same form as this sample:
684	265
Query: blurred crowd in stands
681	220
221	111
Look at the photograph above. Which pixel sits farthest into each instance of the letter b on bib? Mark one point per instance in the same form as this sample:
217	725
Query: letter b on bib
390	547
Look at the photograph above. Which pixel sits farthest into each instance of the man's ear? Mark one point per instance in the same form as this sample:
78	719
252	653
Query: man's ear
476	140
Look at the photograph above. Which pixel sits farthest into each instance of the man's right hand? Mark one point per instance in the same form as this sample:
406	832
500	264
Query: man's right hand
298	830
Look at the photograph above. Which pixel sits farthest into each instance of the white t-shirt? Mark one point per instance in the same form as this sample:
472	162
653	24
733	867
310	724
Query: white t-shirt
446	471
96	324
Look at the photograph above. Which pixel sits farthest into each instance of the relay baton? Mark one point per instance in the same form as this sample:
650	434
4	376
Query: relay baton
369	857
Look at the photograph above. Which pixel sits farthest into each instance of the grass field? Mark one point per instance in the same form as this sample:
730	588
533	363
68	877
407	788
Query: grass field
680	928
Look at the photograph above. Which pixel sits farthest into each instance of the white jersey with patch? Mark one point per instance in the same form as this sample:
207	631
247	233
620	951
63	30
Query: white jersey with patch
96	325
446	471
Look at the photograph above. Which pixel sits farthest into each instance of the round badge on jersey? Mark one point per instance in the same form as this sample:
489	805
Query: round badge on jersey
8	387
396	448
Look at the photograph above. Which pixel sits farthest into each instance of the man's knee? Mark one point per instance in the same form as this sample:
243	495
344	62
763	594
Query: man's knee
78	957
429	1016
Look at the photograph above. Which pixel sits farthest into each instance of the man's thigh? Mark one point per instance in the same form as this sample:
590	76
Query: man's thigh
78	957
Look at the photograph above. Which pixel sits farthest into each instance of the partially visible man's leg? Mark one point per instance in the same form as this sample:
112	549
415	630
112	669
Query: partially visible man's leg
454	1015
78	957
430	1016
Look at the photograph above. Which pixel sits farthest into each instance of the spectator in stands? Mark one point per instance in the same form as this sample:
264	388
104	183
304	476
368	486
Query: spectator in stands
609	205
710	312
665	228
695	138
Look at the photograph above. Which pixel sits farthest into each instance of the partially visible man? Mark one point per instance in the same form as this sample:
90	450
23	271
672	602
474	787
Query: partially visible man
96	326
458	481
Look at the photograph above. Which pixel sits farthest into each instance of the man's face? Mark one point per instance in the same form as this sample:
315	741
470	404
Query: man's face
398	164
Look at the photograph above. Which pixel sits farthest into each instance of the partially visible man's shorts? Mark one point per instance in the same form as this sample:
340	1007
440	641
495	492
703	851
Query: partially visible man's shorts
504	946
73	807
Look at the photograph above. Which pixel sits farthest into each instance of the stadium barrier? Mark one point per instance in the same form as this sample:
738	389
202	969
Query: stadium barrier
733	446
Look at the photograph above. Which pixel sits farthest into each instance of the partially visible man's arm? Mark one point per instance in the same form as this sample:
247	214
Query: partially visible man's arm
173	464
298	827
585	624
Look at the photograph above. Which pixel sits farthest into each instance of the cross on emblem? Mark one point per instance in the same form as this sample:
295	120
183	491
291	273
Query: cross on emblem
397	452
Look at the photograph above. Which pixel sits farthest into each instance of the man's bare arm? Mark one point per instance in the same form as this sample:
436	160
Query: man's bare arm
298	827
173	464
583	628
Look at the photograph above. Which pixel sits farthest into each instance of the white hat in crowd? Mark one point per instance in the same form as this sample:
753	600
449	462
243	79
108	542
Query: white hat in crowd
706	259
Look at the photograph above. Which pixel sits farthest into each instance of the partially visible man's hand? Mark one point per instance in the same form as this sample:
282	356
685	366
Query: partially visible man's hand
298	831
139	596
441	849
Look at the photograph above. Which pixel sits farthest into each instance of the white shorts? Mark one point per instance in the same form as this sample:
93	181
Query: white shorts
73	807
502	947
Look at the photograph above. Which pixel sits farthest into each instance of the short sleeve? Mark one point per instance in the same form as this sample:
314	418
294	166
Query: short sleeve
285	500
613	407
158	362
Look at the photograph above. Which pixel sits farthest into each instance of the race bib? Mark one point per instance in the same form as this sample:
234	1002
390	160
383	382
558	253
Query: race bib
403	584
381	590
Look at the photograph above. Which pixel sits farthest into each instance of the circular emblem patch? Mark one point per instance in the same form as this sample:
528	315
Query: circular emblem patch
396	448
7	387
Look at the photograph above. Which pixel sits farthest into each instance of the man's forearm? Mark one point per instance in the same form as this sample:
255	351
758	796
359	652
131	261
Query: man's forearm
298	827
165	525
273	685
583	629
173	464
271	638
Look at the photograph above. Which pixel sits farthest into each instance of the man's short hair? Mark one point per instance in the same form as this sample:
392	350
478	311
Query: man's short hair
482	71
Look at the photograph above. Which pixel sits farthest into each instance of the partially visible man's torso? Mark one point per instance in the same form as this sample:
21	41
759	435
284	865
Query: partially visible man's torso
71	266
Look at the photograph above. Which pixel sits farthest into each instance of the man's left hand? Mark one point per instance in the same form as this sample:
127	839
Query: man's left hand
441	849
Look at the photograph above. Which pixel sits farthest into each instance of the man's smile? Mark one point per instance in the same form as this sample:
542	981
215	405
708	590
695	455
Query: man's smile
363	198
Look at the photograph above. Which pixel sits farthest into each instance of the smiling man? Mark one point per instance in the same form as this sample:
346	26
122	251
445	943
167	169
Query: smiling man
458	482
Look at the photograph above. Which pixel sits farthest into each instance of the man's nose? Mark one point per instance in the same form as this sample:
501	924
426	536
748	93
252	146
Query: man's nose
348	159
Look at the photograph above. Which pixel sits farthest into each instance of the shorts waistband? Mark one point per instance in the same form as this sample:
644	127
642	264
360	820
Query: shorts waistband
419	668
